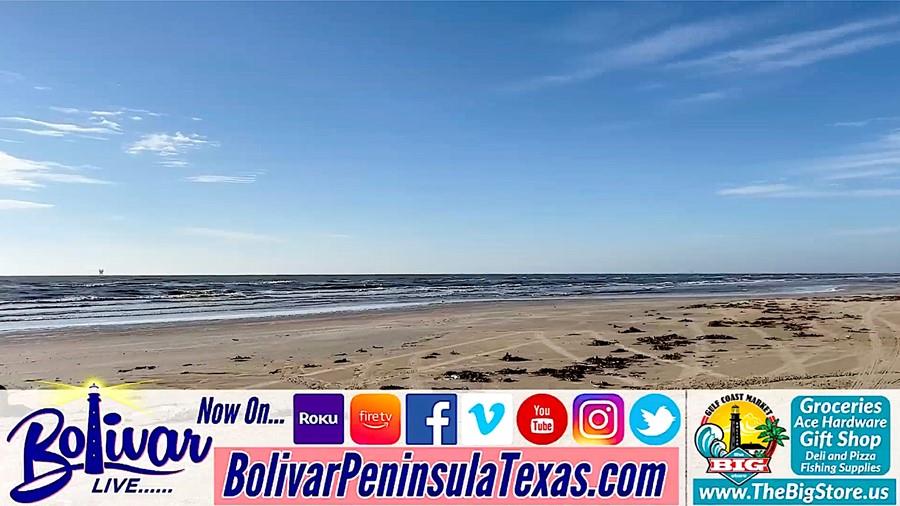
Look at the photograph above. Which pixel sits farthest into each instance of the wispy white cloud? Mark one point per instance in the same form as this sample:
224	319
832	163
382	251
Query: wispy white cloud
864	171
654	49
803	192
11	141
105	112
865	122
214	178
757	189
800	49
674	41
174	163
65	110
144	112
876	159
227	235
42	88
845	48
168	145
47	128
24	173
609	22
41	133
863	174
12	205
9	76
705	97
873	231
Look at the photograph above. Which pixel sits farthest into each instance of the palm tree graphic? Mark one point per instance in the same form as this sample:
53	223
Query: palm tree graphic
772	434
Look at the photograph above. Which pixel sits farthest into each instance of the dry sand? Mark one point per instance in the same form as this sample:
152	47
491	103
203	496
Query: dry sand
828	342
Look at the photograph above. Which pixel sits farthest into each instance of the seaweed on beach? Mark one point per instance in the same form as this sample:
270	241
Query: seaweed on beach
631	330
468	375
665	342
574	372
513	358
716	337
609	362
138	368
600	342
510	370
592	365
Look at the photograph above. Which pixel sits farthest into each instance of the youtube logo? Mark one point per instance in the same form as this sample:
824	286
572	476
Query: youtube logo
542	419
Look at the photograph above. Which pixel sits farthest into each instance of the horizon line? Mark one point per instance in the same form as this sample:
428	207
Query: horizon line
558	273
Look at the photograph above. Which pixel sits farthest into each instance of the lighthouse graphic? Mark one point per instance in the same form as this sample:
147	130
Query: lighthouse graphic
93	462
735	439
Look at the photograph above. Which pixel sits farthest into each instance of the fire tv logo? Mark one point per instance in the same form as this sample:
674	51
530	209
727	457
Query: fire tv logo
542	419
375	419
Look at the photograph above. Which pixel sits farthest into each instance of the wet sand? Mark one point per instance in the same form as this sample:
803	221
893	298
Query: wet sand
825	342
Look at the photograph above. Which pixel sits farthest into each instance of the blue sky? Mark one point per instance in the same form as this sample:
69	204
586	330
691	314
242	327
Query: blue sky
503	137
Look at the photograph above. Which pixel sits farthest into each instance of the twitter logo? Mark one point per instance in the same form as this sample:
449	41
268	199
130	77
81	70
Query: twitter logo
655	419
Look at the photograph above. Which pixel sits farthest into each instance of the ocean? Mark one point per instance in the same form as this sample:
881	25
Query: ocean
29	303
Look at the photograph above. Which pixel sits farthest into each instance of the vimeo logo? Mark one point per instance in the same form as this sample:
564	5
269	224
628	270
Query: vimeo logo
431	419
486	426
485	419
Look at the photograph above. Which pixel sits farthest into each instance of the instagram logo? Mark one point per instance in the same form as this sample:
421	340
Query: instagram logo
375	419
598	419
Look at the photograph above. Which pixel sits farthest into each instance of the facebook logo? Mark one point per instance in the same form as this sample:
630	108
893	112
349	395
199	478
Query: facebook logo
431	419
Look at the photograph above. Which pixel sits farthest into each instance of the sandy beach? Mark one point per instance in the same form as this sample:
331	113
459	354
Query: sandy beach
829	342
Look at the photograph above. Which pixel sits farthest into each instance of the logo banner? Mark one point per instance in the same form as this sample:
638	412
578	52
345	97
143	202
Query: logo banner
93	444
110	445
790	447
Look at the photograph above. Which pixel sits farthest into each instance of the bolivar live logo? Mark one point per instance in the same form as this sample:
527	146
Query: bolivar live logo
752	432
119	448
